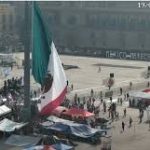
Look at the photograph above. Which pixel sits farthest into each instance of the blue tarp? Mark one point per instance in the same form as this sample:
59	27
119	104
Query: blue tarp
59	127
83	131
76	129
20	140
61	146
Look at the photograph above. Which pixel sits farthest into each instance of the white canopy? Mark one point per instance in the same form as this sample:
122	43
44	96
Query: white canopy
56	119
140	95
7	125
4	110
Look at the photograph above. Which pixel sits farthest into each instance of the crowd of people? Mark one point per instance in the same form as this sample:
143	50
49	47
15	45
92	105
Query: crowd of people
89	103
12	92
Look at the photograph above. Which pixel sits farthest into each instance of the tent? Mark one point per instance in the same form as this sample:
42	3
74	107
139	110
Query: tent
40	147
20	140
56	119
7	125
79	130
147	91
61	146
78	112
4	110
46	123
139	97
59	127
59	110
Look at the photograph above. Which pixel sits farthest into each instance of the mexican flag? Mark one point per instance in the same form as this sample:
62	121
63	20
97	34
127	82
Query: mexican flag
46	66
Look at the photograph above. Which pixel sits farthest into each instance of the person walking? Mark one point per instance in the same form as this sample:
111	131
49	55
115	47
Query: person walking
99	69
104	106
148	84
130	122
121	101
123	126
124	112
71	87
130	84
120	91
92	92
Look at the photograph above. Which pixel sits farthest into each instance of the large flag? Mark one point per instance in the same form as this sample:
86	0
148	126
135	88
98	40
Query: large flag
46	66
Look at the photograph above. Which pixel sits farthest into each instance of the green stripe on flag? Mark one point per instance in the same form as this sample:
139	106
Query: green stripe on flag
41	46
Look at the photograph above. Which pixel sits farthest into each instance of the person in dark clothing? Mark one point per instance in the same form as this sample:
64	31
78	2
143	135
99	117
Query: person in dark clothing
130	122
111	99
123	126
121	101
120	91
130	85
67	82
125	112
148	84
127	96
92	92
104	107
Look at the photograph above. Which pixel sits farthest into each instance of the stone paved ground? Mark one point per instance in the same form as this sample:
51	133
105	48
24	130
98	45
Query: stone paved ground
87	77
134	138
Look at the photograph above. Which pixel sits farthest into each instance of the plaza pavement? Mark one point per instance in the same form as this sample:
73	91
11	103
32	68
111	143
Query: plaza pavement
87	77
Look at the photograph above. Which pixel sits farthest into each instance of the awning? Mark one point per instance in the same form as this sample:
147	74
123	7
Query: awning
147	91
7	125
61	146
4	110
59	110
78	112
140	95
56	119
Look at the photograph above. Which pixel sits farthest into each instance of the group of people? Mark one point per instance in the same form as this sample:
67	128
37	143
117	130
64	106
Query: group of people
88	103
10	93
12	86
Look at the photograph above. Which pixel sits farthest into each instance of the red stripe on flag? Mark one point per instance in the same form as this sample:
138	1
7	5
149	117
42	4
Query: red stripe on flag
54	103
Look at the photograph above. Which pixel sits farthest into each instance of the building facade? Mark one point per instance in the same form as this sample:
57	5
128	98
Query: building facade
100	28
8	29
7	18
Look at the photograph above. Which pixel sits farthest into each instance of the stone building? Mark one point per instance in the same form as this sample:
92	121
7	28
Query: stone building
7	18
100	28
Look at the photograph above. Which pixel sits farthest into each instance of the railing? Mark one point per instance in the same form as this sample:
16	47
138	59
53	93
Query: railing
136	85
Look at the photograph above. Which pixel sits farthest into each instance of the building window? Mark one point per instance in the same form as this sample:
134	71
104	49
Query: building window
54	18
93	38
141	25
104	39
132	21
4	22
93	20
122	40
72	20
10	21
141	40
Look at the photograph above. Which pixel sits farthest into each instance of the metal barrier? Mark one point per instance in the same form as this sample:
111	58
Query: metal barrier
101	91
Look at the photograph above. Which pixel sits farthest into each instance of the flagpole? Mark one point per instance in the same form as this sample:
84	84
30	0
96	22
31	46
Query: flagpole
27	64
